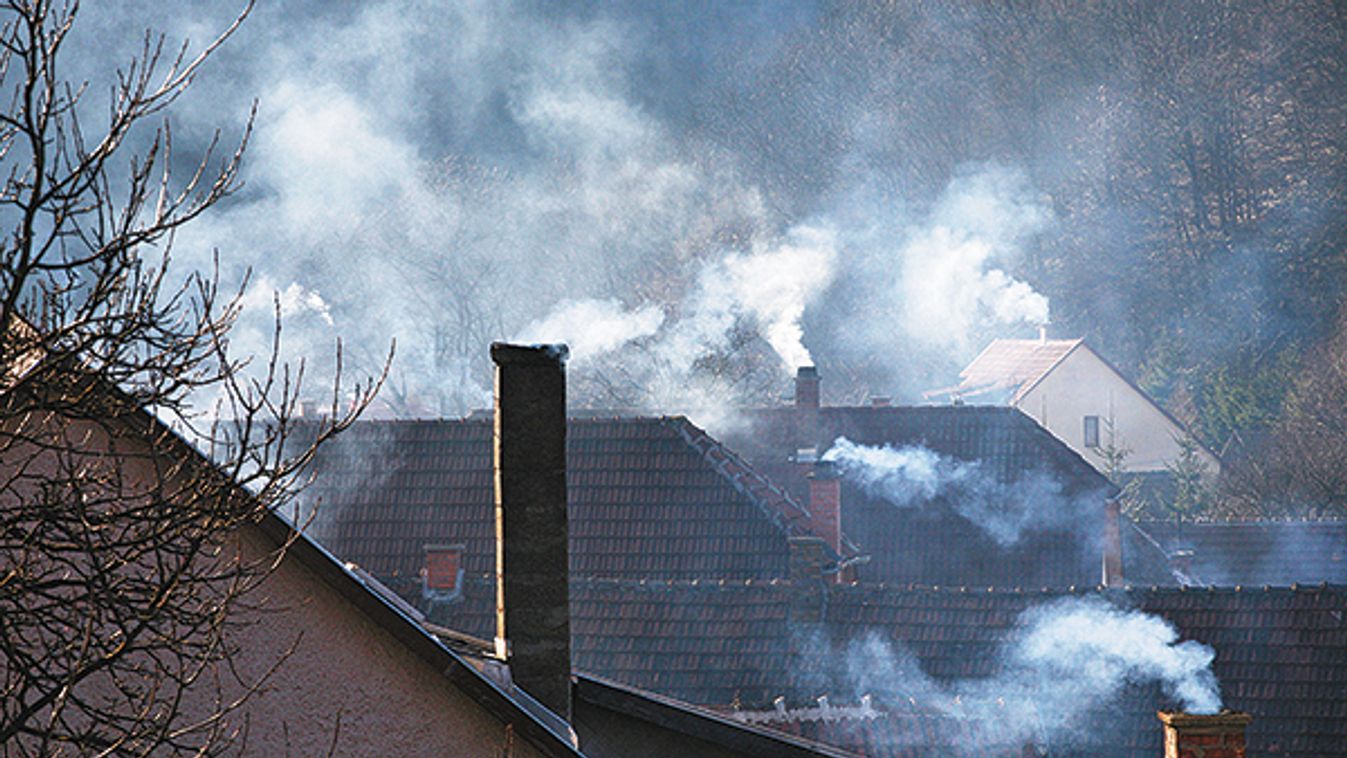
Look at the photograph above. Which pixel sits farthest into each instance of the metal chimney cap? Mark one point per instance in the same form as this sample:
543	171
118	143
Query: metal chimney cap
504	352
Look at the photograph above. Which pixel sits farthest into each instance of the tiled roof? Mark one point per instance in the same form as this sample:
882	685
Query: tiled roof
1279	656
647	497
1012	366
1256	552
932	544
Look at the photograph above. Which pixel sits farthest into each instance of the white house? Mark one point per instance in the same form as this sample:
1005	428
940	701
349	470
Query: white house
1079	397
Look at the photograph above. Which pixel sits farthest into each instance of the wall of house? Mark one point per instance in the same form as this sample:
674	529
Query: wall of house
348	680
1083	385
328	680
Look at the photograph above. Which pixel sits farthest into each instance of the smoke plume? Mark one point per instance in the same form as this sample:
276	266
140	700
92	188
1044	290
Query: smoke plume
1059	668
915	476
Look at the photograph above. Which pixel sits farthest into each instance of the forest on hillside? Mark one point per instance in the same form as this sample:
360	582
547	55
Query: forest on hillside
702	196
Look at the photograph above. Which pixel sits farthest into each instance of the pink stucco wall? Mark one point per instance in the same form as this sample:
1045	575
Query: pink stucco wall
348	676
344	685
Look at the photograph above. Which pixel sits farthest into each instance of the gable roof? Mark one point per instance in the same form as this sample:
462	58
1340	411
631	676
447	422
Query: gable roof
1012	367
647	497
733	645
1258	551
931	543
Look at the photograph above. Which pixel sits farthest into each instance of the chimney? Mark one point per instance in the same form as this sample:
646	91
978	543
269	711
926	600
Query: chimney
443	571
825	506
1113	559
529	462
806	387
808	597
1189	735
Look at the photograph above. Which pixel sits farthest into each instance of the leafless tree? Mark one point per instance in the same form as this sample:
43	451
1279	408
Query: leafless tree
116	576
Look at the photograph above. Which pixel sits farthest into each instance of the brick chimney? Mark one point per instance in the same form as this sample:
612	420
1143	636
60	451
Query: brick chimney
808	597
1113	559
806	387
532	592
825	505
1189	735
443	570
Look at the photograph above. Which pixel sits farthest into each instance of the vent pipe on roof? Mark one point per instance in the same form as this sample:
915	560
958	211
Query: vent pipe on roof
532	591
1113	560
1219	735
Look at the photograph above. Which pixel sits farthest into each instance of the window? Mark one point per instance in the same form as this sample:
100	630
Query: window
1091	431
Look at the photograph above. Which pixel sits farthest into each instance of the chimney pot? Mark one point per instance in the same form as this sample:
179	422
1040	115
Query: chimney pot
1191	735
529	462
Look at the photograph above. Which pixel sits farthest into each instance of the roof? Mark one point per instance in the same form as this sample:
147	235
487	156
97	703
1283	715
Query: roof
1258	551
1012	367
733	645
932	543
647	497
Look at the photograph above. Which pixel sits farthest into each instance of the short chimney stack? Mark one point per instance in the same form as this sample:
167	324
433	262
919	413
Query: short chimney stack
532	590
1191	735
1113	559
808	594
825	505
807	387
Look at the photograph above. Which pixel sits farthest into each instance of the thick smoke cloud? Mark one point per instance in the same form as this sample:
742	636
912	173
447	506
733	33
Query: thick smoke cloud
444	175
915	476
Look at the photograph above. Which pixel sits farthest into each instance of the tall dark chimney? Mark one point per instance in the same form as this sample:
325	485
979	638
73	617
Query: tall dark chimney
532	592
806	387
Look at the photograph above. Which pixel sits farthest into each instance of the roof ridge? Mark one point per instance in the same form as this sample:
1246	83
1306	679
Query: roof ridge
741	475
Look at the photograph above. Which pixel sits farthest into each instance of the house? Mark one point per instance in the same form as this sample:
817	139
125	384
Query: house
648	498
1040	519
327	665
771	646
1081	398
746	648
332	662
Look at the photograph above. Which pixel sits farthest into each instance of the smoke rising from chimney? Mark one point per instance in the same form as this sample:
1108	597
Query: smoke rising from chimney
914	476
1061	666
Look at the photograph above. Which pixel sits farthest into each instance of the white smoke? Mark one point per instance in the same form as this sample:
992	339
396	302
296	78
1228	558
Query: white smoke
293	300
1064	664
776	285
953	281
592	328
914	476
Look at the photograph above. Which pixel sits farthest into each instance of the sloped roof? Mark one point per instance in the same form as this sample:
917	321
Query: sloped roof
1278	656
1012	366
932	544
1258	551
647	497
